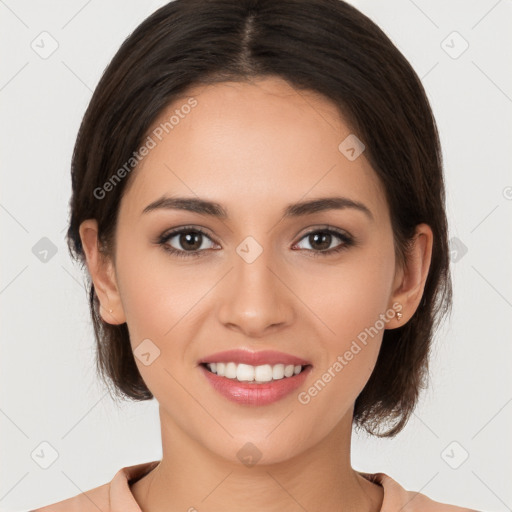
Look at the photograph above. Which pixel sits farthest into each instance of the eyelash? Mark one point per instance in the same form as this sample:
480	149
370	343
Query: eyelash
347	240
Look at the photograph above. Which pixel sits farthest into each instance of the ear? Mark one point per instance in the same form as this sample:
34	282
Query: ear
410	279
101	270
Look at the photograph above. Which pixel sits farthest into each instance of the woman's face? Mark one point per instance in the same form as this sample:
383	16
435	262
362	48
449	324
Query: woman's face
256	279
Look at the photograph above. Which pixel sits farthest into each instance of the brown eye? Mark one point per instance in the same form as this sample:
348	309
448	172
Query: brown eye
190	240
321	240
185	242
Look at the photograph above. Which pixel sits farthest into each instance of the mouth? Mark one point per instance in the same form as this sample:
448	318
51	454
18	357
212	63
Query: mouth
254	378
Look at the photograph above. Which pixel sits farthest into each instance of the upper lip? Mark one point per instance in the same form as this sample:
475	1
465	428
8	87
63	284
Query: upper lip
238	356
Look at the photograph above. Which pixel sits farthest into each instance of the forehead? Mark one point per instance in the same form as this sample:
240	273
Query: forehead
242	143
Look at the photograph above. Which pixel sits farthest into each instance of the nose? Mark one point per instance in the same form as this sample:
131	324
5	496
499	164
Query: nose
254	298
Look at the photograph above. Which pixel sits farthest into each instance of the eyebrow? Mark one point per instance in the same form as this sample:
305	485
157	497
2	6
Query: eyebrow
299	209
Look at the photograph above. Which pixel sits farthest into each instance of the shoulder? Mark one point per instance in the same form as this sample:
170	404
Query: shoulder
93	500
398	498
114	495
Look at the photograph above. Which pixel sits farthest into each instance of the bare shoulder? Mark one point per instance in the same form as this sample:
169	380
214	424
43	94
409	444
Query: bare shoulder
93	500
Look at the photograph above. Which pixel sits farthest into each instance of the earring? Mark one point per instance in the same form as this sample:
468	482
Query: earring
399	315
110	311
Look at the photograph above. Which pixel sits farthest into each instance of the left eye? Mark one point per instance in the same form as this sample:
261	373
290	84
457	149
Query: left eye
321	241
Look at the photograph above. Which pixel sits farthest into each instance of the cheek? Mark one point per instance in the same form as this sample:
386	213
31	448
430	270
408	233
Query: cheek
348	297
156	305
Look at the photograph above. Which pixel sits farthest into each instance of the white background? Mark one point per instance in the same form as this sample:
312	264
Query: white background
49	390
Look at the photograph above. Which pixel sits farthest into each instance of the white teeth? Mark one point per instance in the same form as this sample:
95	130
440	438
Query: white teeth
230	371
288	370
278	371
263	373
247	373
244	372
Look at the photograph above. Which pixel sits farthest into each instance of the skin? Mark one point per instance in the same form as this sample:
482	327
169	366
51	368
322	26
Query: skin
255	148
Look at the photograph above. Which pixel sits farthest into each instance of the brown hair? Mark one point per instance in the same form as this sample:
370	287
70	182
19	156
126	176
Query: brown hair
325	46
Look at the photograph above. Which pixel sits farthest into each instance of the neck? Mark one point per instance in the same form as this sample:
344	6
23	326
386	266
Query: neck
190	477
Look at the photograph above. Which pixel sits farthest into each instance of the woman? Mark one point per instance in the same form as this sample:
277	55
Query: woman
259	200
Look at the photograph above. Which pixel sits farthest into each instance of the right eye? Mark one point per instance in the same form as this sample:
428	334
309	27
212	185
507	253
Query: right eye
190	239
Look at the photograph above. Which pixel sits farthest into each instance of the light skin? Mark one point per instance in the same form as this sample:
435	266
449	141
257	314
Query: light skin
254	149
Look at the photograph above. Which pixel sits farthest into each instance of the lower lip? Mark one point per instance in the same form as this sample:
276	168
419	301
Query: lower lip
249	393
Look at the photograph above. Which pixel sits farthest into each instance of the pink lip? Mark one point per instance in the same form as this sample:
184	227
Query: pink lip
250	393
254	358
